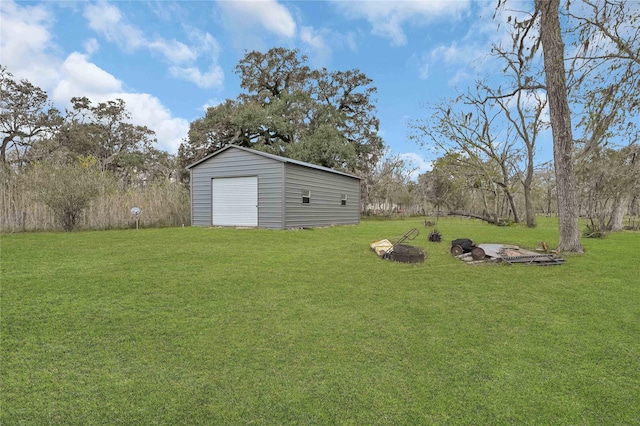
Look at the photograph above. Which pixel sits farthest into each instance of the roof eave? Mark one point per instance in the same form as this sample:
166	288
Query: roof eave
273	157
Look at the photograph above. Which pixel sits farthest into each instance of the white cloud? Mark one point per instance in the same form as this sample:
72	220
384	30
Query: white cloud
415	164
91	46
388	18
107	20
82	78
469	56
313	38
316	42
455	53
204	45
24	42
27	50
424	71
350	40
204	80
147	110
79	77
174	52
269	14
203	42
169	11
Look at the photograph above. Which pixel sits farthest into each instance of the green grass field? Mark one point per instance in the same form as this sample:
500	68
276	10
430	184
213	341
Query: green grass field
225	326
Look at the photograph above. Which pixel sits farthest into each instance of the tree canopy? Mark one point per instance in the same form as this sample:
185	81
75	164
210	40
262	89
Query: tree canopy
314	115
25	115
103	131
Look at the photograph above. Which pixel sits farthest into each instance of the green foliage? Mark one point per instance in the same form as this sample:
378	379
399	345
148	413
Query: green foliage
68	188
446	185
32	131
103	131
325	146
225	326
608	179
25	114
593	230
327	118
604	89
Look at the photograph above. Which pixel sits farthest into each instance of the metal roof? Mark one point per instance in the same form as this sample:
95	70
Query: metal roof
273	157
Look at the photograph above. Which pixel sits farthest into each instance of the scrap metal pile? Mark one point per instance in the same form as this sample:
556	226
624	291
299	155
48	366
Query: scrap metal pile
465	250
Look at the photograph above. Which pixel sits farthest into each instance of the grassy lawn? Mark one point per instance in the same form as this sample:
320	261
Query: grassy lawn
224	326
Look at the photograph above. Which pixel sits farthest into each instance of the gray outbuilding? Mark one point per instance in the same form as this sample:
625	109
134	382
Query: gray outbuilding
238	186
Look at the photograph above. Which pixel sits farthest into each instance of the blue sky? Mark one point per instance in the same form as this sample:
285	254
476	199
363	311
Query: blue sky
169	60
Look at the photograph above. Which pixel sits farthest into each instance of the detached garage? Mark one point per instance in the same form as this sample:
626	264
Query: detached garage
238	186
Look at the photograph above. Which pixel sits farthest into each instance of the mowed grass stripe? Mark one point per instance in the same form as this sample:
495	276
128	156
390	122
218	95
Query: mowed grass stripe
228	326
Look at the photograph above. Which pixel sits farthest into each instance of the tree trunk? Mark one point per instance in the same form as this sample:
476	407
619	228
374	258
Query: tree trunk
529	212
484	201
634	208
616	222
494	213
560	115
475	216
512	204
3	148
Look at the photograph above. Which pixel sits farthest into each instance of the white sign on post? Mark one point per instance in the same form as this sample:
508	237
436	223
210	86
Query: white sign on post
135	211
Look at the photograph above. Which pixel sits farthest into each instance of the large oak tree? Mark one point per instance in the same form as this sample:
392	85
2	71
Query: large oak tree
327	118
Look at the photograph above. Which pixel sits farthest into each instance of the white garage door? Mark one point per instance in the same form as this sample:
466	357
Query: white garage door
235	201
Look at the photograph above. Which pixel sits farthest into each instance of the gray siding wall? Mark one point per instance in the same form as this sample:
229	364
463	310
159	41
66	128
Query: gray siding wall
325	205
237	163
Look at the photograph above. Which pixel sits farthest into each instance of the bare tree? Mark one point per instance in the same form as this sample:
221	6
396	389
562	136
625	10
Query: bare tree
387	184
604	82
523	104
609	179
600	84
545	188
449	186
473	127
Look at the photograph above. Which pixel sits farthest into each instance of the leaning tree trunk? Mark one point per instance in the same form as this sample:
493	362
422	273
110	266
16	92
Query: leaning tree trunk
560	116
494	212
512	204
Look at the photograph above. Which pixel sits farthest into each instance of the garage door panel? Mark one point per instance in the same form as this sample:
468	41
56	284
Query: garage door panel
234	201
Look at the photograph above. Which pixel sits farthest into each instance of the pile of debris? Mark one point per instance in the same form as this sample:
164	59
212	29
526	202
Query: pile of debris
464	249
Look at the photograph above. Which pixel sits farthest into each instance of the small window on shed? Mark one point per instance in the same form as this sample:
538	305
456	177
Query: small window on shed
343	201
306	196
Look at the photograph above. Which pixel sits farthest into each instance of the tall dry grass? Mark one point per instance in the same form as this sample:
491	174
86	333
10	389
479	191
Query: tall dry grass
161	204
